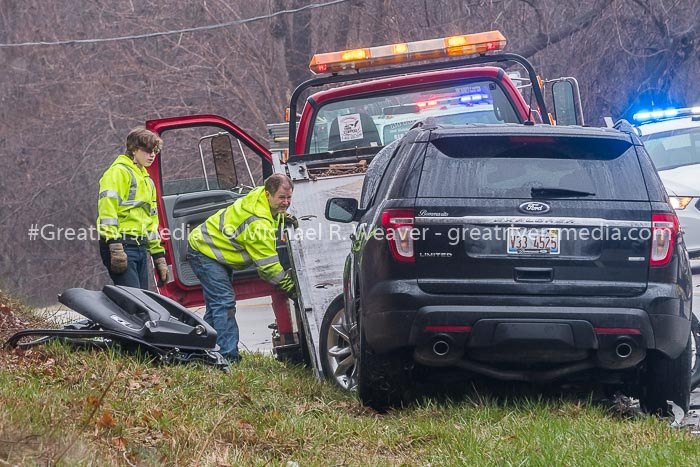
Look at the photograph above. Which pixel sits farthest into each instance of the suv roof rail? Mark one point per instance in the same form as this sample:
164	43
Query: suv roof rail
426	123
624	126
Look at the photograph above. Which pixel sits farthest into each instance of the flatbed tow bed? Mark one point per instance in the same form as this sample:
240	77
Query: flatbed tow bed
318	248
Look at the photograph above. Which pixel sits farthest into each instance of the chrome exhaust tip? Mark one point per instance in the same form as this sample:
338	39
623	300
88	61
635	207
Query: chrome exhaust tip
441	348
623	350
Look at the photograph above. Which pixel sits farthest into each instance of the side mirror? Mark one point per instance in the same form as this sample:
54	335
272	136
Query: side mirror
567	102
223	161
341	209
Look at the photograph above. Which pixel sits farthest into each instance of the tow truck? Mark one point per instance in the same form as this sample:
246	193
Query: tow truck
363	100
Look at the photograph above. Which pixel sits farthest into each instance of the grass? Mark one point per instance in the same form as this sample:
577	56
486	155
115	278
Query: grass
61	406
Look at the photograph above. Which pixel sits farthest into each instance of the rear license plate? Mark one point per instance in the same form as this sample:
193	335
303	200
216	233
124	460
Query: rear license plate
524	241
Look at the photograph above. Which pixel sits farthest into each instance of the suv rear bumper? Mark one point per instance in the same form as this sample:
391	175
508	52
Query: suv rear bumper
516	328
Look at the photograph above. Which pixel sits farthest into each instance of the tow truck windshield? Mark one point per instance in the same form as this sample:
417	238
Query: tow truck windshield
379	120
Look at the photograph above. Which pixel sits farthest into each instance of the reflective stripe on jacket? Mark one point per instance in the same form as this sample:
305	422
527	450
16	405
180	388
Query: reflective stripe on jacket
127	204
243	234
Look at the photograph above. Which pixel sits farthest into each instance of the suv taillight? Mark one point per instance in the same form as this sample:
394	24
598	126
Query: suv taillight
398	229
664	231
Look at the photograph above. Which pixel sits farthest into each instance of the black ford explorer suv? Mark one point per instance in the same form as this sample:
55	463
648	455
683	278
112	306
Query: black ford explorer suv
523	253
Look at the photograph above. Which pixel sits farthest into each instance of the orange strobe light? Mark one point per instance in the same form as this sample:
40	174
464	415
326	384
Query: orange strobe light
407	52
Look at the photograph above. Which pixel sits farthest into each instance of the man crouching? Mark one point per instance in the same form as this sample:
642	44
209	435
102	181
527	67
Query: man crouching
234	238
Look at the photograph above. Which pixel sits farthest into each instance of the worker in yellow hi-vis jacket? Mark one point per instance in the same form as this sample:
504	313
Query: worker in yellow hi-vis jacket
127	219
235	238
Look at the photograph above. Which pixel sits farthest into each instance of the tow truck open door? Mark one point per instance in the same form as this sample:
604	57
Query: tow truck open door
207	163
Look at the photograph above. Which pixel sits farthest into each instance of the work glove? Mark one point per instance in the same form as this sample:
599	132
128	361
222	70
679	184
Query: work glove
290	220
117	258
162	271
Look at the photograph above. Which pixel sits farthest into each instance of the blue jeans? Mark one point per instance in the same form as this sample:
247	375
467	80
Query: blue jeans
220	300
136	274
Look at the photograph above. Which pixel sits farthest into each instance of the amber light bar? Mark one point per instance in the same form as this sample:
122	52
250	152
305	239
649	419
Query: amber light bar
407	52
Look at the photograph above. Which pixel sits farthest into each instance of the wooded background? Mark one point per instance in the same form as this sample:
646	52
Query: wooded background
66	108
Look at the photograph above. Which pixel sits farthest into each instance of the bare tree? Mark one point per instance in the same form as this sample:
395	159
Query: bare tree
67	108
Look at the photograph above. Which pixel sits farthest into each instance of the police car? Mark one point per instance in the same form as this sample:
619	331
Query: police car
672	139
470	104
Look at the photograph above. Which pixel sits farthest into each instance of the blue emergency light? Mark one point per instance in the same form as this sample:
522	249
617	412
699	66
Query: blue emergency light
473	98
647	116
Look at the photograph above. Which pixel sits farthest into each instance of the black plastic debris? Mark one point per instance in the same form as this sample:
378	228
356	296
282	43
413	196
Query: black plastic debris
133	320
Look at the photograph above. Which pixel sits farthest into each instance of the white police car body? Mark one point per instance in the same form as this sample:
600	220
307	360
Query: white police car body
672	139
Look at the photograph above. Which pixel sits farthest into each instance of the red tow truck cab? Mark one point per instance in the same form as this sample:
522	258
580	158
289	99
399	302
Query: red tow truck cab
208	161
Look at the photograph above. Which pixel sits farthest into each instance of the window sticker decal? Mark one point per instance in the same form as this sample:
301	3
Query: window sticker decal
350	127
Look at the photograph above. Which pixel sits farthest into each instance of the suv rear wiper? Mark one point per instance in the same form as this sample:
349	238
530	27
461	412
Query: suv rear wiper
557	193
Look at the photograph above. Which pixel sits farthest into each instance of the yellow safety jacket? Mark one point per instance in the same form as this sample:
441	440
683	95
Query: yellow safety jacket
127	205
243	234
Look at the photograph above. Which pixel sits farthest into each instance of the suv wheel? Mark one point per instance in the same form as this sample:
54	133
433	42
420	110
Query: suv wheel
666	379
337	359
382	379
695	353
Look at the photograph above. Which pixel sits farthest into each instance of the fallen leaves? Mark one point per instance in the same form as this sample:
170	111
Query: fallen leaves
245	426
119	442
106	420
133	385
10	320
140	380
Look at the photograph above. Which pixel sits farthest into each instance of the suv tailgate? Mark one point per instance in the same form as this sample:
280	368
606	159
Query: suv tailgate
522	214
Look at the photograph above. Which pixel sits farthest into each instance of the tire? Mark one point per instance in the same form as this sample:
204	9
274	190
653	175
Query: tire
695	353
666	379
382	379
337	359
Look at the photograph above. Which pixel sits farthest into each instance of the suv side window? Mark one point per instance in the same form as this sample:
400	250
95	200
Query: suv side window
375	172
655	187
388	176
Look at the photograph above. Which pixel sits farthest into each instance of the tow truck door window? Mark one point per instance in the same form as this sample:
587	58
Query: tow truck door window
206	158
203	169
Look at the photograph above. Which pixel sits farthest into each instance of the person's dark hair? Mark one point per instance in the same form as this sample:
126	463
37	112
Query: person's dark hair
141	138
275	181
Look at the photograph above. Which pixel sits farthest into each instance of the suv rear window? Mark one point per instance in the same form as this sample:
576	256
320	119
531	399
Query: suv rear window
511	166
